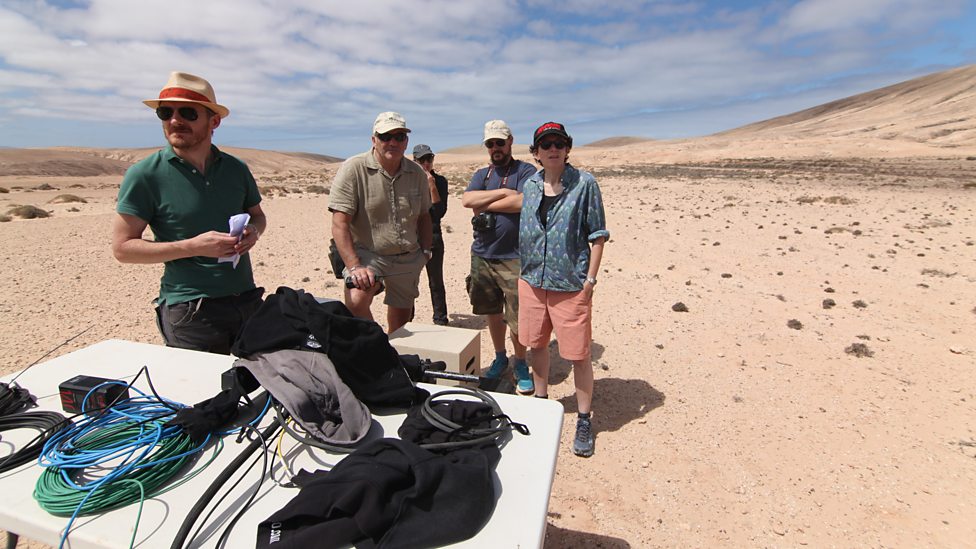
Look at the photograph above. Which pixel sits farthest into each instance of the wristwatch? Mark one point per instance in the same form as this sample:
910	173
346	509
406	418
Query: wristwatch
428	253
591	280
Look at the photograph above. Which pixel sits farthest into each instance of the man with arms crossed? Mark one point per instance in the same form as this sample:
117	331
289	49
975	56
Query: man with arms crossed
380	205
186	193
495	197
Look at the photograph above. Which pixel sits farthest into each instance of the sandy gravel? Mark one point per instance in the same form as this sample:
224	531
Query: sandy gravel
748	420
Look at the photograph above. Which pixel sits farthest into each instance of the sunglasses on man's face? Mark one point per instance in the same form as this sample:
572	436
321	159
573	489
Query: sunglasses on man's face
495	143
546	145
399	137
186	113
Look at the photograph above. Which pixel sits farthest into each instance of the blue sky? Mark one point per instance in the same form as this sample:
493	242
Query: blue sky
311	75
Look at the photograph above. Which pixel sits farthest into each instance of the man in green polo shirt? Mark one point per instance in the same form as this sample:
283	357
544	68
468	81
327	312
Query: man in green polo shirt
380	204
187	193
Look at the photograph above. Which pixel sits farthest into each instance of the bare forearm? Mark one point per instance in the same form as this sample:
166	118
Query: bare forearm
596	256
508	204
480	200
342	234
260	222
139	250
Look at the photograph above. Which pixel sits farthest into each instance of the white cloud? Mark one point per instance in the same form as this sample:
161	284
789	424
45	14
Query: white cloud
318	71
818	16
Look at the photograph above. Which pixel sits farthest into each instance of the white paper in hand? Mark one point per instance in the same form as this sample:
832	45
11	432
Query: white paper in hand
236	223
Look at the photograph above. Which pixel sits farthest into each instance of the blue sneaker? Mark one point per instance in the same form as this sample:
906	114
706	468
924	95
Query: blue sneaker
523	378
497	367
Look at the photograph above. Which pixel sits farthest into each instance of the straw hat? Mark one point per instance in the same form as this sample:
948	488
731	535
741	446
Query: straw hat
187	88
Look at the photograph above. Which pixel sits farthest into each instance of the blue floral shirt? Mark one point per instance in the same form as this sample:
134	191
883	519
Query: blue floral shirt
557	256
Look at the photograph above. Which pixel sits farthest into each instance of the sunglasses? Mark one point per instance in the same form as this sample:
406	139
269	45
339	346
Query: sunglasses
428	158
399	137
495	143
186	113
546	145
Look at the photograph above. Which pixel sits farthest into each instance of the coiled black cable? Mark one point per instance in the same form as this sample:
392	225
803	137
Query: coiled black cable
500	423
14	399
47	423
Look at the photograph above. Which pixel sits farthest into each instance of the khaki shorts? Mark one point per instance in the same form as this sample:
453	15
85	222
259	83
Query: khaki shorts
401	274
543	311
493	288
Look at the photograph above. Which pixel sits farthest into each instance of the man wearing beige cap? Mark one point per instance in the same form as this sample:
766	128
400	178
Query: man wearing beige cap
193	197
381	224
495	197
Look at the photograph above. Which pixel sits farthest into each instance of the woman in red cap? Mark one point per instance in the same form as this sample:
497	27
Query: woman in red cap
562	232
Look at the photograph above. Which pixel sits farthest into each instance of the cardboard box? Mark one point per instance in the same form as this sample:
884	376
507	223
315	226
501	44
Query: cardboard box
459	348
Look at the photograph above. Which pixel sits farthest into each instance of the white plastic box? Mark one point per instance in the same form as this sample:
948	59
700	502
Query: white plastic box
459	348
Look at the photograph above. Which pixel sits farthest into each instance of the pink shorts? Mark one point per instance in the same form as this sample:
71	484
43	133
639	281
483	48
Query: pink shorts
542	311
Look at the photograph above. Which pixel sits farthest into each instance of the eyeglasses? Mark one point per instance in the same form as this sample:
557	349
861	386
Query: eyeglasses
399	137
495	143
186	113
546	145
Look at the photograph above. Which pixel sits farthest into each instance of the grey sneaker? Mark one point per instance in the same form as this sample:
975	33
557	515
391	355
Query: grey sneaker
583	443
497	367
523	378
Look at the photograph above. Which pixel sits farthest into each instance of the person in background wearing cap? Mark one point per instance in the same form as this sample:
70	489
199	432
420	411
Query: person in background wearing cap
495	196
380	204
437	184
186	194
561	237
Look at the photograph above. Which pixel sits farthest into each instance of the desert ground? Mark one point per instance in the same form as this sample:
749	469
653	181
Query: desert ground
784	325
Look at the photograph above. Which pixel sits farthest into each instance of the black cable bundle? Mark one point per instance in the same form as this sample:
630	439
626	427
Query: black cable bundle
14	399
47	423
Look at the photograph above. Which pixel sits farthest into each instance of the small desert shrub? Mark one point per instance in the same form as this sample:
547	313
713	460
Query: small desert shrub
65	198
4	190
5	218
964	185
44	187
273	189
859	350
840	200
317	189
808	199
833	230
937	272
28	212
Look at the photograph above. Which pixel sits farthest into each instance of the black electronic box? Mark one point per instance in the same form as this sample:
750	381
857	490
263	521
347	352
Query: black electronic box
74	390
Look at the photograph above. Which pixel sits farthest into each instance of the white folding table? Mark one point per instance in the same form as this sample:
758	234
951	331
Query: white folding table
523	477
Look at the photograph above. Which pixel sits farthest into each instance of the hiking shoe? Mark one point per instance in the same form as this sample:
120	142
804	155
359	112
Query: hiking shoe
497	367
523	378
583	443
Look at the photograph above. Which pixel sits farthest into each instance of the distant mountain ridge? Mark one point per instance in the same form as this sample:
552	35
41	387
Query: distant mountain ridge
937	109
91	162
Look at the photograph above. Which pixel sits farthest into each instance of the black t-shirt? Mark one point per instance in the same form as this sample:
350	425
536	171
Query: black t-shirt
547	202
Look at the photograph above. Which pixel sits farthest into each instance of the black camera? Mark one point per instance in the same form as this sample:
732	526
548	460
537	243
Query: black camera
485	221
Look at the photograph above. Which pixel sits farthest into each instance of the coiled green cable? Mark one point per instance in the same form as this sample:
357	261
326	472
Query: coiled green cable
56	496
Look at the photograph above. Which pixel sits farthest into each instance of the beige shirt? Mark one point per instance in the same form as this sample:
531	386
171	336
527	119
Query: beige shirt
384	209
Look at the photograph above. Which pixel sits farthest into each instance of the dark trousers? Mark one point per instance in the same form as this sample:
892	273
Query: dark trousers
209	324
435	279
